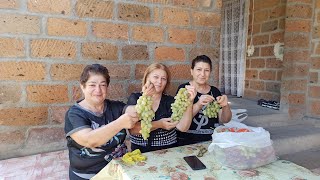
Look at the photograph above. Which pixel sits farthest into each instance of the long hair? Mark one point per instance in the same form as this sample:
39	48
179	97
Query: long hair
153	67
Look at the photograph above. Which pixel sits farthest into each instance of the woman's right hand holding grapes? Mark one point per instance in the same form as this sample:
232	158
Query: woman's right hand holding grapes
148	89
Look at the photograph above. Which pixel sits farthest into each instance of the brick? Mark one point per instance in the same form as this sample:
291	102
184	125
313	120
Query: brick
299	11
247	63
110	30
95	9
53	48
139	70
317	48
182	36
278	11
99	51
261	40
313	77
300	1
70	27
296	56
296	41
257	85
273	63
267	51
180	71
156	16
279	75
10	93
66	72
315	62
314	91
246	84
185	3
273	86
277	37
169	53
218	3
46	136
118	71
133	12
257	63
48	6
296	99
269	26
297	70
134	87
256	52
22	71
11	139
264	4
212	53
206	19
216	40
135	52
260	16
19	24
175	16
148	34
267	75
314	107
294	85
11	47
76	93
318	17
250	94
208	3
156	1
9	4
204	37
24	116
298	26
282	23
296	113
116	91
256	28
251	74
317	4
57	114
47	93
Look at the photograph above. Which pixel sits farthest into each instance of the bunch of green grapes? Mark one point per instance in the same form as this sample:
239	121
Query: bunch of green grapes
180	104
212	110
146	114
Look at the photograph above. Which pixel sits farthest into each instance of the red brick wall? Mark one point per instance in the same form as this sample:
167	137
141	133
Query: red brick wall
263	70
45	44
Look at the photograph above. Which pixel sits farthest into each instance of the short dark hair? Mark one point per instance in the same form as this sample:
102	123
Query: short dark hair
202	58
96	69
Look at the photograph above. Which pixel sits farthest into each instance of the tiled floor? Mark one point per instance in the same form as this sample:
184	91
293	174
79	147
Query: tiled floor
49	166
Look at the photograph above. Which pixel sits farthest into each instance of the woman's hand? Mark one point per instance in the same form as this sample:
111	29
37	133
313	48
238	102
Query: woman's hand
192	92
222	100
148	89
205	99
128	120
167	124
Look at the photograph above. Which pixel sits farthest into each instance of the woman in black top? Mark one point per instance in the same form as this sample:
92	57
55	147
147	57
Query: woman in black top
94	126
202	127
163	133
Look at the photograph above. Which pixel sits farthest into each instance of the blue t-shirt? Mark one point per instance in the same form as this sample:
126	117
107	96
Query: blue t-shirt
201	127
89	161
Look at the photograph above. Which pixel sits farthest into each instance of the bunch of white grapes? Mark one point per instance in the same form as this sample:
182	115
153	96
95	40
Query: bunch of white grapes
180	104
212	110
146	114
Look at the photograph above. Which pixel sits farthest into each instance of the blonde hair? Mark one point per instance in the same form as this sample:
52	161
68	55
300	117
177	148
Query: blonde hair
153	67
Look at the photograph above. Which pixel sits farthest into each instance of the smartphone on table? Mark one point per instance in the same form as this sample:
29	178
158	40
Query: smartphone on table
194	162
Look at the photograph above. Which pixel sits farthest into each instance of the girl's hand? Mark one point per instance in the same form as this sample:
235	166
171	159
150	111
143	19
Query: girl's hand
167	123
222	100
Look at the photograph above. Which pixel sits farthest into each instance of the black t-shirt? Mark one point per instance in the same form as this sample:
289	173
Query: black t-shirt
201	127
159	138
85	162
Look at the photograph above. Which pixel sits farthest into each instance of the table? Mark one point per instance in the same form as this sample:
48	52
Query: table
169	164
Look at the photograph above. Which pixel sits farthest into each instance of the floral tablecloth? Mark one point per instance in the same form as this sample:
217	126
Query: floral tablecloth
169	164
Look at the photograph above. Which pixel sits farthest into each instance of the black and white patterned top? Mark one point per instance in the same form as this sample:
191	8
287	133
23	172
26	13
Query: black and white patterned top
159	137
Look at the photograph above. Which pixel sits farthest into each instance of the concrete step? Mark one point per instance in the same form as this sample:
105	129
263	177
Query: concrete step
294	138
270	120
309	159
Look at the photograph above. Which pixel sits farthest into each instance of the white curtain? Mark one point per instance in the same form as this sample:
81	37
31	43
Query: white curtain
234	23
